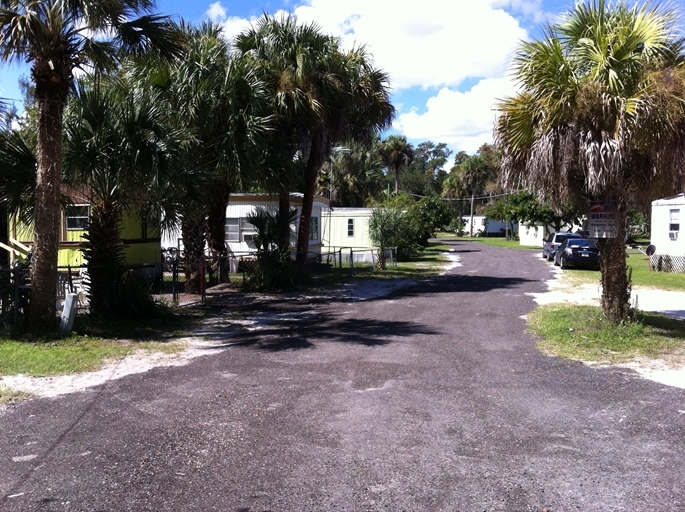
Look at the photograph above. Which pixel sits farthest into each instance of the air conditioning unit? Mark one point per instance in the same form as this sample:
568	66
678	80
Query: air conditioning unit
673	235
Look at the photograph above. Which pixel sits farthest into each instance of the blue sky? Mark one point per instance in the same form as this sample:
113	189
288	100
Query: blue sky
447	60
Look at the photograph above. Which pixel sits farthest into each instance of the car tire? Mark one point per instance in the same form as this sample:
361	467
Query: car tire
555	262
563	263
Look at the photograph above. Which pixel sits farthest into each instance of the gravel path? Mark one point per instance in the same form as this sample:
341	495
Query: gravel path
432	397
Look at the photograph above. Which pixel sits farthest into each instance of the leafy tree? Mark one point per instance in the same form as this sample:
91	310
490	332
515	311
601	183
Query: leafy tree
600	116
274	268
430	214
353	176
323	96
396	153
524	207
56	37
474	173
426	172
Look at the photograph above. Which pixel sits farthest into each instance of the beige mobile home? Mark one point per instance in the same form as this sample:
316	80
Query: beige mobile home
345	232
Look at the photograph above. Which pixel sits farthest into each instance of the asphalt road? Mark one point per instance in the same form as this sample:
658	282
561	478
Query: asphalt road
433	398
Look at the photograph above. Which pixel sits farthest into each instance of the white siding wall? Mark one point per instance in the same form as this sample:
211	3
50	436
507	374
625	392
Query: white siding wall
334	226
240	209
662	237
531	236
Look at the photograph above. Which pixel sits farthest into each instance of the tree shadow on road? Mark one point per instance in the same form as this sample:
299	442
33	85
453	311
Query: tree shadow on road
303	331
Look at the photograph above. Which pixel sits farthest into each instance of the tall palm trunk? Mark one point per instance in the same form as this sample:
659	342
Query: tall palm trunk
51	93
473	195
397	179
616	284
311	172
284	213
104	252
193	230
216	220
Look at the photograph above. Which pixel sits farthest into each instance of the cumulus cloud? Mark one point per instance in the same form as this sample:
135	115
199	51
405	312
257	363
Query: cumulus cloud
463	120
455	53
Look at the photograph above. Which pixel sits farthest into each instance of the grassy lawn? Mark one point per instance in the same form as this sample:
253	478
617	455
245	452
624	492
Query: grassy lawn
495	241
580	332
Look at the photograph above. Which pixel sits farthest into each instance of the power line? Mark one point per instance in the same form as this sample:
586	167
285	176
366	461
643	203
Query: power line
467	198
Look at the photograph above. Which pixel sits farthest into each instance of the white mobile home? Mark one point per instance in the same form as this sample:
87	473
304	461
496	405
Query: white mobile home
666	233
345	232
239	232
482	226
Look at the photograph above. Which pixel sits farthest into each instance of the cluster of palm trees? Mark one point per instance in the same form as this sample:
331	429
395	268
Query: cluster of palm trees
172	118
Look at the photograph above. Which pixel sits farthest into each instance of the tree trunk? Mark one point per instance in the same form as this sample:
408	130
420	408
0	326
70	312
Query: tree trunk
47	211
471	221
314	163
616	285
397	180
193	228
283	215
104	253
216	221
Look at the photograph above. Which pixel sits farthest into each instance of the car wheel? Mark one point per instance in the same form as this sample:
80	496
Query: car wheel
556	262
563	263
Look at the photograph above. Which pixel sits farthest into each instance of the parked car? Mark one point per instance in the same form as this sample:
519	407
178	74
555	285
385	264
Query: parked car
579	253
553	242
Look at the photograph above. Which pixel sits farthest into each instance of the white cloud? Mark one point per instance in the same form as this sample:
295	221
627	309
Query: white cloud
216	12
431	45
463	120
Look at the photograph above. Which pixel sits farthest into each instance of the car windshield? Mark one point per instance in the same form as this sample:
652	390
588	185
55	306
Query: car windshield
564	236
580	242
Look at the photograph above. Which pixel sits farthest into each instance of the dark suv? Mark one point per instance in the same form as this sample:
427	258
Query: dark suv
550	246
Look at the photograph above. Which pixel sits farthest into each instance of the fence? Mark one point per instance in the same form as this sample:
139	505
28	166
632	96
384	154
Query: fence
14	295
667	263
341	256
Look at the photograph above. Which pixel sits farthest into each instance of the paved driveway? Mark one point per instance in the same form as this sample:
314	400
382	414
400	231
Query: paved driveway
432	398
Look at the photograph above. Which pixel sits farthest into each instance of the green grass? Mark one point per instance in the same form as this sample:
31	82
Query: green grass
581	332
70	355
641	275
494	241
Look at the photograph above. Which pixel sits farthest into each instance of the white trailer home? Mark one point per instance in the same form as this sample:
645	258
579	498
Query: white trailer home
345	234
240	233
482	226
669	244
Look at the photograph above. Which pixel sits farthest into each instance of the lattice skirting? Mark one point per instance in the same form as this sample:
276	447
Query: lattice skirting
667	263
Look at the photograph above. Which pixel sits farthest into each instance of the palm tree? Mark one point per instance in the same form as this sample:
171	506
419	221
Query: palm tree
396	153
120	154
322	96
219	100
56	37
600	117
474	173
